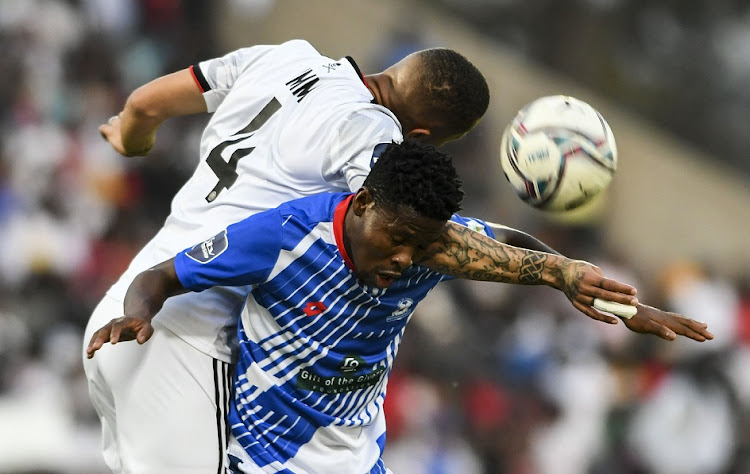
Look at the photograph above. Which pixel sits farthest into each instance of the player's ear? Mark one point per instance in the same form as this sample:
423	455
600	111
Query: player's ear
419	134
362	199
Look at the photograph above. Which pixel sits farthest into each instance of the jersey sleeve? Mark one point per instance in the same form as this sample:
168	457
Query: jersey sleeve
359	141
477	225
242	254
216	77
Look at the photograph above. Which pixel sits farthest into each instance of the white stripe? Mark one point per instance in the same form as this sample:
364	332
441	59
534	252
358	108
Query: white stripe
326	348
279	345
286	258
315	346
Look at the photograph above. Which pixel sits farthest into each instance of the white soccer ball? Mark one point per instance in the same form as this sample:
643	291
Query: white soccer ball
558	153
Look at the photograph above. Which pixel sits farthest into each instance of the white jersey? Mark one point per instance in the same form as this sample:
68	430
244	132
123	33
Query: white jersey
287	122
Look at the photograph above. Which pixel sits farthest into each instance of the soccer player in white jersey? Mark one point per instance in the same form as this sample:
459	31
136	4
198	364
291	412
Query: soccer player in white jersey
287	122
335	278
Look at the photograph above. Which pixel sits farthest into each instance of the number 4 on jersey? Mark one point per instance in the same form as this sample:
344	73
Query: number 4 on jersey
226	171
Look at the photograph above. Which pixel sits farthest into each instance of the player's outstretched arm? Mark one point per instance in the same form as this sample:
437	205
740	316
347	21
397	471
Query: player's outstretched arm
144	298
647	320
463	253
132	132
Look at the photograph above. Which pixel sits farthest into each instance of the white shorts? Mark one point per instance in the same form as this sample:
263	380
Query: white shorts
162	404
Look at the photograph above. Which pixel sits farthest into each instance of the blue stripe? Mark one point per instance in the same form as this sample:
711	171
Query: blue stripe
346	325
379	468
272	423
316	325
267	419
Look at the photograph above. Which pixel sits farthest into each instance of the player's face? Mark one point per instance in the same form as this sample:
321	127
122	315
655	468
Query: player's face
384	243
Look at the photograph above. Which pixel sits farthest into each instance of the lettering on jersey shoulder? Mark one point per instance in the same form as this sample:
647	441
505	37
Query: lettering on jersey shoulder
331	66
301	85
209	249
376	152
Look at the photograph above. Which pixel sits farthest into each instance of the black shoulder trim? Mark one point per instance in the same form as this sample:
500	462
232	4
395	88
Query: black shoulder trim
200	79
356	68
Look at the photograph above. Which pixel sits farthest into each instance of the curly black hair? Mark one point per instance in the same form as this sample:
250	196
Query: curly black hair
454	88
417	176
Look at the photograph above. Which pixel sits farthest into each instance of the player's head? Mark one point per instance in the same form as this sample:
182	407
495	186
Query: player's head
437	94
402	207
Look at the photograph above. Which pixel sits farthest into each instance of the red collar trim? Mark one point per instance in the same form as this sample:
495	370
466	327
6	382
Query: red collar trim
338	229
356	68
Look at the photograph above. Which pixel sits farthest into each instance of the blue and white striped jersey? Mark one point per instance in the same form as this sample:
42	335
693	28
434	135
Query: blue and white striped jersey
316	346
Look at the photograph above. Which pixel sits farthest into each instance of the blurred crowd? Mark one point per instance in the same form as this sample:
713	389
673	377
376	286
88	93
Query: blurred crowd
490	379
683	65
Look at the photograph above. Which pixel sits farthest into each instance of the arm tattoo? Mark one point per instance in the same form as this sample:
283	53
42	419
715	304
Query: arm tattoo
463	253
532	266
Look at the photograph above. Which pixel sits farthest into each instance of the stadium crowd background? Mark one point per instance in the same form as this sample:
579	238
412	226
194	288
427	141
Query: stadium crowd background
490	379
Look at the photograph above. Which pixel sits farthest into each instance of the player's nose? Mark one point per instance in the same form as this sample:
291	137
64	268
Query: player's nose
403	258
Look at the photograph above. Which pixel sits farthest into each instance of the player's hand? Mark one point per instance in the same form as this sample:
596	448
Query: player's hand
120	329
582	282
666	325
112	132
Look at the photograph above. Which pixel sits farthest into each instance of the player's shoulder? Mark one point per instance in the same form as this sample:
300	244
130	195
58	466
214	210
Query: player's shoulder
475	224
299	46
282	56
314	209
365	128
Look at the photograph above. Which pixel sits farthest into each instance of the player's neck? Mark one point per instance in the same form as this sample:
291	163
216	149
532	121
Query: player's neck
379	86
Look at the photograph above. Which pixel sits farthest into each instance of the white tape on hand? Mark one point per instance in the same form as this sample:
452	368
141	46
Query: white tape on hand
618	309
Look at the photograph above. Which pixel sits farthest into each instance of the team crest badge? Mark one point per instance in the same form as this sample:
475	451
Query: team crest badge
404	309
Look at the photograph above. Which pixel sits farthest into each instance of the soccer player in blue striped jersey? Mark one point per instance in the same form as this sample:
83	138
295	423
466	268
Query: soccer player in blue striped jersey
285	122
334	280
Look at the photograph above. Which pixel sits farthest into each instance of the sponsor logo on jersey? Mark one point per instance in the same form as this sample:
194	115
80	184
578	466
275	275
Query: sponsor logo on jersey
307	379
351	364
209	249
404	309
314	308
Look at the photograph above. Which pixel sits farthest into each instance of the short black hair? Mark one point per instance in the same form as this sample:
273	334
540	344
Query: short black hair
454	88
417	176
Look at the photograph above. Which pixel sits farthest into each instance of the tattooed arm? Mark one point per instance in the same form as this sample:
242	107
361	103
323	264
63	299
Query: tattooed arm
463	253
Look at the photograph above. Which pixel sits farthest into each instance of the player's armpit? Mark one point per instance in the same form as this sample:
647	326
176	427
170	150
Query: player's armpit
519	239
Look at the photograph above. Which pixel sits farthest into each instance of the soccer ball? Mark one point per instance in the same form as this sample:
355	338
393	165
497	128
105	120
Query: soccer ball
558	153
